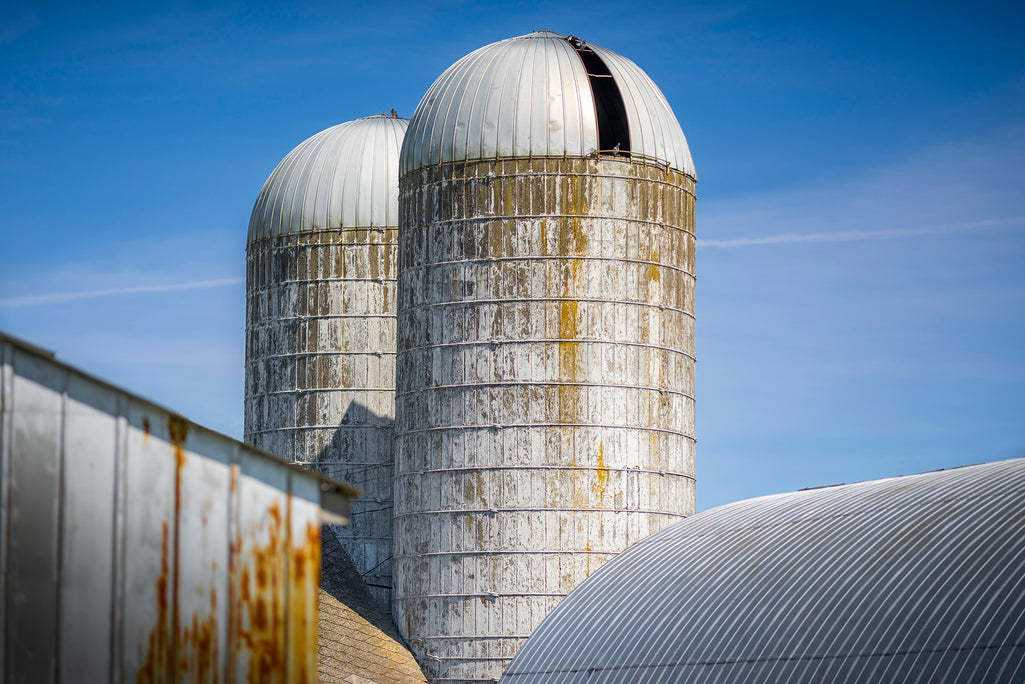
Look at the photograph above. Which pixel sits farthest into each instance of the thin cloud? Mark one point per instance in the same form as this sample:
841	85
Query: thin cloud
57	297
852	235
18	27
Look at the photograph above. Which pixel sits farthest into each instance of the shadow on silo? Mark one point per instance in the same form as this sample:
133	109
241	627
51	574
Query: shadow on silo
340	579
358	440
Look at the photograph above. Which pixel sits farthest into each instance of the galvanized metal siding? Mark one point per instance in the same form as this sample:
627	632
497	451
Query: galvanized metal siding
530	96
911	579
345	176
545	391
139	547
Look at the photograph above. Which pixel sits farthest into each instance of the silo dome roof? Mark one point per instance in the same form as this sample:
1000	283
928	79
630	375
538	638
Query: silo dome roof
917	578
344	177
542	94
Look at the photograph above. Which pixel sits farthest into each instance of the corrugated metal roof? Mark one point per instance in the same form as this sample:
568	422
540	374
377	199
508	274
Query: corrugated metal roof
530	96
918	578
344	177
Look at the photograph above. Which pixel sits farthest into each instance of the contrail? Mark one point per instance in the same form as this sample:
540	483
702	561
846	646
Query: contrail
854	235
35	300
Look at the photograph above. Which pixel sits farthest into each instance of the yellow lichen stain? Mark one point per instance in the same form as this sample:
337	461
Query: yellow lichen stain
568	324
653	270
573	243
569	362
579	238
601	474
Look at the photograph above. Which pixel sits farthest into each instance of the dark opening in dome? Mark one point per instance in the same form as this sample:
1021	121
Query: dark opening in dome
613	128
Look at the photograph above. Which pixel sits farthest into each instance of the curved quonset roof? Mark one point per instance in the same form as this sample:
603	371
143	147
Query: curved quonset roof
344	177
918	578
532	96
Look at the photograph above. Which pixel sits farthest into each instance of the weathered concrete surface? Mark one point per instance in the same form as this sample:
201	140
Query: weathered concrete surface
320	371
545	390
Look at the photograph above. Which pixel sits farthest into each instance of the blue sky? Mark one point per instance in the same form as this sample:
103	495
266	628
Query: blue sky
861	202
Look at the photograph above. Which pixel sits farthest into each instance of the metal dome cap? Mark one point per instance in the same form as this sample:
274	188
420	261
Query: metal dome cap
343	177
543	94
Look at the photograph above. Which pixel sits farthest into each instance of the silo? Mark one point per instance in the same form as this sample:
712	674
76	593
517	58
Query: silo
545	397
320	322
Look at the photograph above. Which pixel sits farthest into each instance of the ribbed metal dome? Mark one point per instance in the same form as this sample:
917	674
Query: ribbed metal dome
343	177
918	578
533	96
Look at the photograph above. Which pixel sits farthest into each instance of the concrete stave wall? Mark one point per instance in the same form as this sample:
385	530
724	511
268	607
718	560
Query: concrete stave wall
320	371
545	390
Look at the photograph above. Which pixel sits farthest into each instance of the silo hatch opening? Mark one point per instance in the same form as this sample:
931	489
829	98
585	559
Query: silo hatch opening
613	129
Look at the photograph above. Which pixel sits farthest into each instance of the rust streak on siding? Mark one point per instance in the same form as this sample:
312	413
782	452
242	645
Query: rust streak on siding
260	620
156	665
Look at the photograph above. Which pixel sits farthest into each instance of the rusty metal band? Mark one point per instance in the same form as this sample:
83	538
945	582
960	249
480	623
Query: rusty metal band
270	320
517	300
488	260
327	231
318	427
321	390
529	217
539	383
545	340
639	428
257	289
641	160
322	354
418	473
351	466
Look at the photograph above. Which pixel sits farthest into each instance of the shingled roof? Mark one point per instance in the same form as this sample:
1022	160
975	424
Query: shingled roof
359	644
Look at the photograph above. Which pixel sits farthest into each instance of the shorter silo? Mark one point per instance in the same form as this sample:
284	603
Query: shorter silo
320	322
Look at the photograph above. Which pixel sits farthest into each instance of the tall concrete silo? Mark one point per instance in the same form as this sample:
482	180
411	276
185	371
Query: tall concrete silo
320	322
545	372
